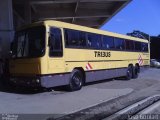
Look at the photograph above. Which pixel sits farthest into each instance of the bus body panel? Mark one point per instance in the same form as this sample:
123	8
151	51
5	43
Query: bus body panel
118	59
25	67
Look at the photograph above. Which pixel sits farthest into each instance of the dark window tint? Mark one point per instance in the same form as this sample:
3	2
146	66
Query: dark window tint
82	39
93	40
144	47
29	42
129	45
108	42
119	44
75	38
137	46
55	43
72	37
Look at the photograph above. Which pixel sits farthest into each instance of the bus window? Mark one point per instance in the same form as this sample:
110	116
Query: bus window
71	37
119	44
94	40
55	43
75	38
129	45
144	47
108	42
137	46
82	39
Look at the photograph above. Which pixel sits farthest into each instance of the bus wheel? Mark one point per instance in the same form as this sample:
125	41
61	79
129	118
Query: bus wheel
135	72
129	73
76	80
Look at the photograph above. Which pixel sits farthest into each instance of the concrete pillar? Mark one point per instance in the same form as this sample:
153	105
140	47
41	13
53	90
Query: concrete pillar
6	27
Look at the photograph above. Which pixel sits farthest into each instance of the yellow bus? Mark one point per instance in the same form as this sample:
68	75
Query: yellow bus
52	53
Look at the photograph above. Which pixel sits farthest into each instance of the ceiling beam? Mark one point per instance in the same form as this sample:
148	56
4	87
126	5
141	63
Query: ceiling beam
76	8
34	8
70	1
76	14
27	12
80	22
75	17
87	23
75	11
59	14
19	16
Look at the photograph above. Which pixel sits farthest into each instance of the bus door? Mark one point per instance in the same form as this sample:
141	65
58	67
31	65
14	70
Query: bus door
55	59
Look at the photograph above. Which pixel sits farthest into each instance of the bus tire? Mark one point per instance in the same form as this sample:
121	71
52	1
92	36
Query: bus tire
138	67
129	72
135	72
76	80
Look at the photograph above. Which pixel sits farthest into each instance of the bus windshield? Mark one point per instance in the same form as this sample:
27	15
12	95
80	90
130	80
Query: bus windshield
29	43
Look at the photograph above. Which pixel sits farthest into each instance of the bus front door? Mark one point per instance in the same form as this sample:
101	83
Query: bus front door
56	58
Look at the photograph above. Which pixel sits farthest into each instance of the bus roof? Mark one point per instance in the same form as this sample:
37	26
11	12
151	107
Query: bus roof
83	28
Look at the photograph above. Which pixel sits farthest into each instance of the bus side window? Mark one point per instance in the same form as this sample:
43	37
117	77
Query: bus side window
71	38
75	38
144	47
130	46
89	44
138	46
55	43
82	39
94	40
108	42
119	44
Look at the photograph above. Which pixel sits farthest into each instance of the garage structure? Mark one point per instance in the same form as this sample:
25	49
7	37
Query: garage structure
15	13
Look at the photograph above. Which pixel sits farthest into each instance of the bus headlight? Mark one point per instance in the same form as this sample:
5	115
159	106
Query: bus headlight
37	80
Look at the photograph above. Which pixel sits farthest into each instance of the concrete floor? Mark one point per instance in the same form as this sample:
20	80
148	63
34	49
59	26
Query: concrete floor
62	102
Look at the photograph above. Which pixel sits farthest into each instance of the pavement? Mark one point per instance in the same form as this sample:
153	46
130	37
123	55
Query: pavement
49	103
61	103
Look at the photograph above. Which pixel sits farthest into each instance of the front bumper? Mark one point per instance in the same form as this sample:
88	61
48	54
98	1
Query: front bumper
26	81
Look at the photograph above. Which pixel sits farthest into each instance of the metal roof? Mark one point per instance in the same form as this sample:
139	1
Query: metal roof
91	13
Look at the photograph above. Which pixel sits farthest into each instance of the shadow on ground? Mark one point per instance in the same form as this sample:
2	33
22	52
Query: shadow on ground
106	80
8	87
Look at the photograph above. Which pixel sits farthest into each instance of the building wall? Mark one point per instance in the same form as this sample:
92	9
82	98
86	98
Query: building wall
155	48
